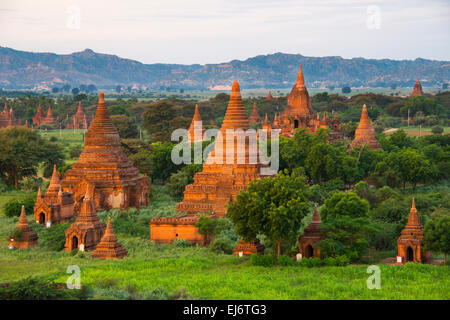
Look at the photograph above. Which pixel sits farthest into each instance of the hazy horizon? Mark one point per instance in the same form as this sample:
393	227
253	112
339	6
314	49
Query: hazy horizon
215	31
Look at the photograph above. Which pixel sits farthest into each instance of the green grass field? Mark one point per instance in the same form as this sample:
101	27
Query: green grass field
208	275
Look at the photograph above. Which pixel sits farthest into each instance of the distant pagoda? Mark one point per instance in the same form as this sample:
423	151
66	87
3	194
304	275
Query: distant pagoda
196	127
417	90
269	96
254	116
79	119
7	118
365	134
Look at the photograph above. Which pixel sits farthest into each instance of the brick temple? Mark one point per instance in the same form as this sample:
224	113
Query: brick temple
79	119
88	230
40	119
104	165
248	248
365	134
27	237
417	90
109	247
299	114
221	179
409	244
7	118
311	235
55	206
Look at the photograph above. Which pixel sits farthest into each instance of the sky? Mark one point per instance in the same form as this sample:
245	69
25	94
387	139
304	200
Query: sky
214	31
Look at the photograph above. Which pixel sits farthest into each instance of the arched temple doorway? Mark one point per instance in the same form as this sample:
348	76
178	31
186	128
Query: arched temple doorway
409	255
309	251
42	218
74	243
295	123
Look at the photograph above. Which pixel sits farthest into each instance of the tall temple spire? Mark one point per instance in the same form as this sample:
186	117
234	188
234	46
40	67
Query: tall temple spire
316	216
235	117
23	222
80	109
300	79
102	131
54	181
49	112
196	123
269	96
413	218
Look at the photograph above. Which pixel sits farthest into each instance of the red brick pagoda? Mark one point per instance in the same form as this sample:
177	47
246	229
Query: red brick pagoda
417	90
88	230
311	235
409	244
104	165
109	247
27	237
365	134
196	127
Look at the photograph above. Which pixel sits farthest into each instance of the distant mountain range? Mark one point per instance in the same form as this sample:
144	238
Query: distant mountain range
27	70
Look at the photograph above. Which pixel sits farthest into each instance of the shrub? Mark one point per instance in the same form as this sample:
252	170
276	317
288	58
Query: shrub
13	207
39	288
311	262
31	184
155	294
261	260
53	238
181	243
437	130
223	244
75	151
285	261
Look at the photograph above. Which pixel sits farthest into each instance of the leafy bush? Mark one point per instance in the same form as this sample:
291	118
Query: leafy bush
285	261
39	288
437	130
53	238
261	260
223	244
75	151
155	294
181	243
30	184
13	207
311	262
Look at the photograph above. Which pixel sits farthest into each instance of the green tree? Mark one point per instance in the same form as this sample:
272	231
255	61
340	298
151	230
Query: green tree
437	234
414	167
346	224
273	207
22	151
206	227
125	126
157	120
